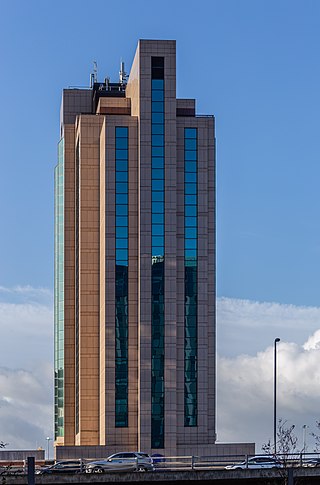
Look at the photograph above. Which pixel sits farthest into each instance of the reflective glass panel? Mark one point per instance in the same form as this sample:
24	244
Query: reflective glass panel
122	198
157	107
122	143
121	131
157	117
122	176
157	95
157	140
157	84
190	144
157	151
190	132
121	154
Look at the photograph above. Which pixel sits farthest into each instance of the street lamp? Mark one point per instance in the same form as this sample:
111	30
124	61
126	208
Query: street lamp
275	397
48	441
304	437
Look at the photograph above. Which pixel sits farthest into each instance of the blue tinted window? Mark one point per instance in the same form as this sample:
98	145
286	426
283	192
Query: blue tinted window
157	151
190	155
122	143
190	132
190	232
122	220
157	84
157	140
158	207
157	251
190	210
122	243
121	210
158	163
121	198
157	173
190	199
157	184
122	254
121	187
157	117
190	167
190	144
190	221
158	229
121	176
157	275
190	254
157	196
157	241
121	131
190	177
190	189
157	95
121	155
157	107
190	244
157	129
122	165
158	218
122	231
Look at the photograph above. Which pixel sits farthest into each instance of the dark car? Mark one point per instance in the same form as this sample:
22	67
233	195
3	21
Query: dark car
67	466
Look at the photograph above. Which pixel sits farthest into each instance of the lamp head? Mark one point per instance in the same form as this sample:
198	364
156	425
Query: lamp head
276	340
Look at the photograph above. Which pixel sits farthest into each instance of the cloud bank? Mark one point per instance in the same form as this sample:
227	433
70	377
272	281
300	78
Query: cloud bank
245	375
246	331
26	366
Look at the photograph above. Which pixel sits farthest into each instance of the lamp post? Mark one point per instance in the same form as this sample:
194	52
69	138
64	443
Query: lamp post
304	437
275	397
48	441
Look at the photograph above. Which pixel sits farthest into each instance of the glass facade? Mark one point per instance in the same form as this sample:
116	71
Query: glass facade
157	271
77	363
190	268
121	279
59	294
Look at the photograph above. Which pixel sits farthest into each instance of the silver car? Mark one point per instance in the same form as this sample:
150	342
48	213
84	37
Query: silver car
256	462
122	462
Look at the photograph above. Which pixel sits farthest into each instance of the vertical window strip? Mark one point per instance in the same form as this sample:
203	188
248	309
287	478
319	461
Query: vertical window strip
121	279
158	250
191	293
77	363
59	294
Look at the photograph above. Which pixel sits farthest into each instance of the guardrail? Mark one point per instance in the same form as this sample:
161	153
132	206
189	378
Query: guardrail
190	462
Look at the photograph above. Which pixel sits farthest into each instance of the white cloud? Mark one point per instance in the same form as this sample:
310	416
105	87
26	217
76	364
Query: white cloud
26	375
245	375
246	327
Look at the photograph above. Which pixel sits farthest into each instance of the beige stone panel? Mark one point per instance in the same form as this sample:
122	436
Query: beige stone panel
69	288
89	255
102	315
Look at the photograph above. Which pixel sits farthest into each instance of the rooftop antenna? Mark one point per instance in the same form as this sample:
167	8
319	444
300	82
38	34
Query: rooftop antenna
94	75
123	76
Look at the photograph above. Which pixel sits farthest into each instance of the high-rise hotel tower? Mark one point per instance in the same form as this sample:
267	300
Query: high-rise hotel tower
135	264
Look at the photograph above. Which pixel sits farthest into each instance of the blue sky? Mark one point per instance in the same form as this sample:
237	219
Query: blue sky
254	64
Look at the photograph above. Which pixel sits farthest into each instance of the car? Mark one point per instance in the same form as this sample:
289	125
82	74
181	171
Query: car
67	466
126	461
311	462
262	461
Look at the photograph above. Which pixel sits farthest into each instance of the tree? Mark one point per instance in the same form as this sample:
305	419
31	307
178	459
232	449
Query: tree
286	446
316	437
